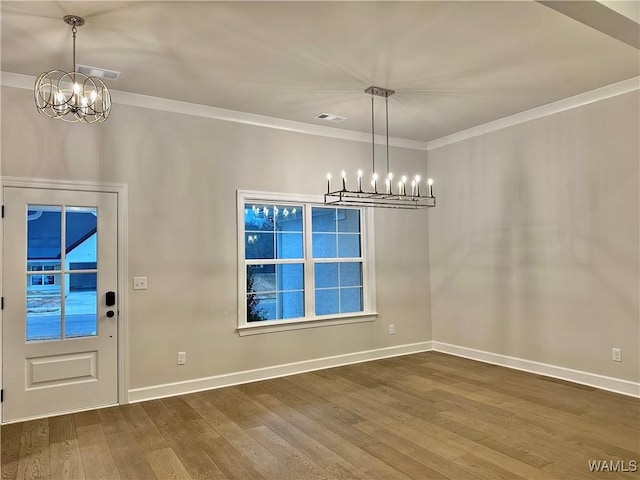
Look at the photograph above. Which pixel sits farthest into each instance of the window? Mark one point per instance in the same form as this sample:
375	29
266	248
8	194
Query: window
302	263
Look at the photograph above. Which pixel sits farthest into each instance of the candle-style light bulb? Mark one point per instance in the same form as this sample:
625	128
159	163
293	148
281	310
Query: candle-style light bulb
387	186
430	183
404	184
328	182
413	188
344	180
417	185
374	183
359	180
399	188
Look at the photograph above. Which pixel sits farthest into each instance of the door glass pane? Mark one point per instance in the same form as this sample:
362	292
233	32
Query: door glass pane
44	248
43	233
81	305
44	313
81	237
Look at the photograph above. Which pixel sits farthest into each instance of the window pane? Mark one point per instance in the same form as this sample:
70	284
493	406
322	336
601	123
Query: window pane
288	245
350	300
44	312
323	219
258	245
44	233
351	274
80	236
261	307
261	278
81	306
326	275
289	218
291	276
290	304
327	301
348	245
258	217
324	245
348	220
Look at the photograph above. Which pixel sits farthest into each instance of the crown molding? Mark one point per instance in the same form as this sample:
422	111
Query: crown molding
568	103
26	82
15	80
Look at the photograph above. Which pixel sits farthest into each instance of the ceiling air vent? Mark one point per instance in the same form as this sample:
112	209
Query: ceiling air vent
98	72
330	117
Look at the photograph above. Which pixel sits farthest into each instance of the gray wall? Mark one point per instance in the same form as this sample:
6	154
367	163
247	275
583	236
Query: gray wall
534	248
182	172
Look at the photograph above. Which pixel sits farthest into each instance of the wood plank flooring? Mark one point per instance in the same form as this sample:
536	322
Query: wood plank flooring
421	416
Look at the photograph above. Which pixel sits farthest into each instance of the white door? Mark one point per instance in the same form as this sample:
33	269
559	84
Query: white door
60	328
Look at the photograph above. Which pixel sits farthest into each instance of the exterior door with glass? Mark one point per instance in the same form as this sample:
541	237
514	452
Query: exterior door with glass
60	327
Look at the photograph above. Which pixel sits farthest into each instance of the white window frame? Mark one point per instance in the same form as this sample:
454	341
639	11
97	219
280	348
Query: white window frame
368	313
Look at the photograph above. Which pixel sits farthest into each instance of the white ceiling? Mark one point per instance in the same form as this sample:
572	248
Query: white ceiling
454	65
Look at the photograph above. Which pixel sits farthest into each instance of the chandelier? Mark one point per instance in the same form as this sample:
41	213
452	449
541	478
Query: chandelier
74	96
388	195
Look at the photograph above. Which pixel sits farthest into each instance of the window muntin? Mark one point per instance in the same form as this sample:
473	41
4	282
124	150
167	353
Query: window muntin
301	261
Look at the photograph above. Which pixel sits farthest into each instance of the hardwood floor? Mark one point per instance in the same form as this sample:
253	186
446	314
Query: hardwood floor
419	416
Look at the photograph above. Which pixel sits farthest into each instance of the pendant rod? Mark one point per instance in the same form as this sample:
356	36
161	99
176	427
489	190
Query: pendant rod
373	140
73	66
386	107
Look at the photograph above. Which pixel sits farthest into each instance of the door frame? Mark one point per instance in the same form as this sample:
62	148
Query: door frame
121	191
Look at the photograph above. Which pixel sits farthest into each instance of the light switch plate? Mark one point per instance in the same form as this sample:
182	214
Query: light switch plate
139	283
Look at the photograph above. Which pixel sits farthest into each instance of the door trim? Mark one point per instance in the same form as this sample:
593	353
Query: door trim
122	191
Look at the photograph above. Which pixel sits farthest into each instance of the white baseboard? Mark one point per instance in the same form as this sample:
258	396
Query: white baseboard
616	385
611	384
227	380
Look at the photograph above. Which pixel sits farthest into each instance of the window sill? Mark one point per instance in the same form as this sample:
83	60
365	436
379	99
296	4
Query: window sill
272	326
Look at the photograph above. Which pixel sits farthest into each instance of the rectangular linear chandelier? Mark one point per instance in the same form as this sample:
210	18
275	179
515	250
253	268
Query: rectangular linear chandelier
371	197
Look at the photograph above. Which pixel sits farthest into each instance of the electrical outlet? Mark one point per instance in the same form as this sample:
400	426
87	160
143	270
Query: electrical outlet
392	329
182	358
139	283
616	354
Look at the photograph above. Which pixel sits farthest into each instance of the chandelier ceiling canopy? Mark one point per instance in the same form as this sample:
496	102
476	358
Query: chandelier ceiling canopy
387	196
72	96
